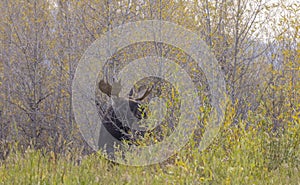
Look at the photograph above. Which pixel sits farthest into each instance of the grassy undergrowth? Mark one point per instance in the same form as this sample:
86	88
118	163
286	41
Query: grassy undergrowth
237	156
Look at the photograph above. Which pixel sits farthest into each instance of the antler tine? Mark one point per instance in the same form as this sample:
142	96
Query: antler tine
148	91
105	87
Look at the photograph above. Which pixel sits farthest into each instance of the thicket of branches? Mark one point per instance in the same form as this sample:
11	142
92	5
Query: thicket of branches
42	42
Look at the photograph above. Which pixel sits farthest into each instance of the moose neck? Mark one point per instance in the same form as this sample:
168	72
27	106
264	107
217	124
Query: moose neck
123	111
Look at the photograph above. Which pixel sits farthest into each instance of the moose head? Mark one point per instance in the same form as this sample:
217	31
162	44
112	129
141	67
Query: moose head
124	112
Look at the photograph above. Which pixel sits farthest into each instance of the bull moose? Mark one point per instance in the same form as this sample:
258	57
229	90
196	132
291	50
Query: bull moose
119	118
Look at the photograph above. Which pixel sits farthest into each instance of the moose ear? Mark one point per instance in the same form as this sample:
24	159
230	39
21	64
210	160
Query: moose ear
105	87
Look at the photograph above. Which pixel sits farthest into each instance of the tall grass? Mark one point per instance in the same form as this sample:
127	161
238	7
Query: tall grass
237	156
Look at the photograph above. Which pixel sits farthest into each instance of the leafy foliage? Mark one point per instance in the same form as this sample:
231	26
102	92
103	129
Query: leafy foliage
257	49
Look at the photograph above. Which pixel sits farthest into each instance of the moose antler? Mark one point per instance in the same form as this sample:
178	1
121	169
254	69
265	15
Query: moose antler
109	90
105	87
148	91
